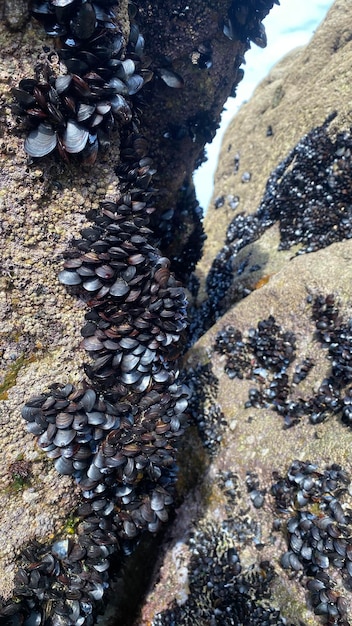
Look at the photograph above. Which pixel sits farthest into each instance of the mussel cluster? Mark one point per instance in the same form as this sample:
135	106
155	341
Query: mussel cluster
111	445
306	195
138	308
180	234
256	495
203	408
265	348
318	530
115	435
81	92
335	334
264	355
245	21
220	591
242	231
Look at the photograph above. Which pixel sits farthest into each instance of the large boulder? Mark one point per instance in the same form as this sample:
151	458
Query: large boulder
44	554
264	535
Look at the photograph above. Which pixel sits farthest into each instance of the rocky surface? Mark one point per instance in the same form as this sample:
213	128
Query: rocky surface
255	440
262	532
271	376
284	105
44	206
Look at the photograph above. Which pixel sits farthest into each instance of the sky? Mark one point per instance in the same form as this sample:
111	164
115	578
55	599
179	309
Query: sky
288	26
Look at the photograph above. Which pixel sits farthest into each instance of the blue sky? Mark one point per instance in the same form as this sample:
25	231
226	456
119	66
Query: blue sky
287	26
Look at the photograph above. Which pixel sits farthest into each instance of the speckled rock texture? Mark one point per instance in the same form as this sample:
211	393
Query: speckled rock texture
284	106
266	430
254	442
43	208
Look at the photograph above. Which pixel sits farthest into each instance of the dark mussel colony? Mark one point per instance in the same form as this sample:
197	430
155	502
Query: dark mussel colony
244	21
181	236
222	591
265	354
203	408
116	433
306	194
81	91
317	525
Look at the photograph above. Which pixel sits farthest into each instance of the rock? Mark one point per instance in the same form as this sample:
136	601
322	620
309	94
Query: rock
45	206
316	66
264	536
299	93
259	443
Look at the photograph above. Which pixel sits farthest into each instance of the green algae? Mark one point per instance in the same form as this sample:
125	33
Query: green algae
12	373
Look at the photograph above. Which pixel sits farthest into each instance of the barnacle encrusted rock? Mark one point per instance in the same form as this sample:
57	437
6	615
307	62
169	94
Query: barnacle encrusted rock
45	205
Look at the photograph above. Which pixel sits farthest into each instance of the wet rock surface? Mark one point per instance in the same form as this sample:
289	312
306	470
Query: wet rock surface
269	430
104	427
268	527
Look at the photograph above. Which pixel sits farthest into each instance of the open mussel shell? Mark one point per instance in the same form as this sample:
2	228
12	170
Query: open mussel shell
121	109
118	86
75	137
41	141
134	83
61	548
85	111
